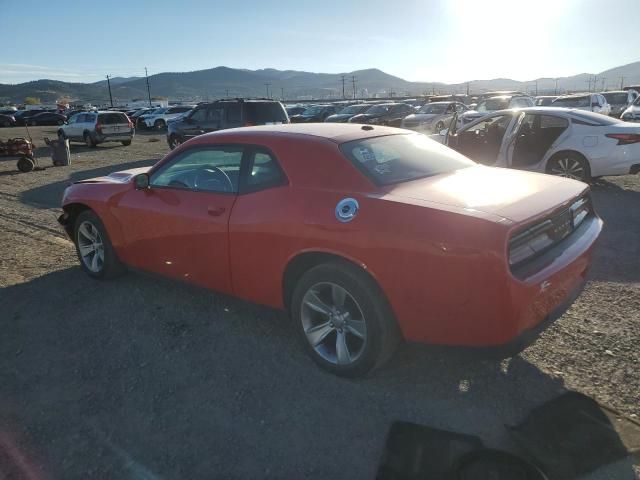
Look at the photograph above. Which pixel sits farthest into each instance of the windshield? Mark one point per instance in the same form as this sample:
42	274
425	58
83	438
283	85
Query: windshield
617	97
493	104
434	108
313	110
400	158
576	102
543	101
379	109
354	109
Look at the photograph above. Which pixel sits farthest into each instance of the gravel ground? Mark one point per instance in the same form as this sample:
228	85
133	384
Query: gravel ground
145	378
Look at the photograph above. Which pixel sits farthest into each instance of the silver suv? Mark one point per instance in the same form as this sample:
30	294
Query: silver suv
93	128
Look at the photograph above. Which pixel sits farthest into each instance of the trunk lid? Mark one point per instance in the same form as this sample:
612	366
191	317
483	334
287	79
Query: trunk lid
510	194
114	123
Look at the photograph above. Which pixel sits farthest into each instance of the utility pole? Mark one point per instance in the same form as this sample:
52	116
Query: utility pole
536	88
282	93
110	97
267	85
621	82
146	75
467	88
353	82
555	91
227	92
603	80
589	82
343	95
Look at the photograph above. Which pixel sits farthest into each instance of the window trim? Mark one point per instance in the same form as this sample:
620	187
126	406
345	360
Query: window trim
180	154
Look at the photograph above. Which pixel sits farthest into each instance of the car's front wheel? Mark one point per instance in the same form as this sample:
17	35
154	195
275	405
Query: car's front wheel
159	125
569	165
95	252
346	325
88	140
126	143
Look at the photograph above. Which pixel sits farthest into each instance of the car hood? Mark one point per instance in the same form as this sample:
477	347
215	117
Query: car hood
123	176
496	192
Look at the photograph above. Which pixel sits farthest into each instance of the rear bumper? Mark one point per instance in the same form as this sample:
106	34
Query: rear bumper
115	137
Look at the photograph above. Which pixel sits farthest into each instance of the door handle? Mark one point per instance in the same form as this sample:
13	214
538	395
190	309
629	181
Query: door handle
216	211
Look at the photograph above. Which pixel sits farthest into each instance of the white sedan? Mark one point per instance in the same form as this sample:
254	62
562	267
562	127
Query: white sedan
565	142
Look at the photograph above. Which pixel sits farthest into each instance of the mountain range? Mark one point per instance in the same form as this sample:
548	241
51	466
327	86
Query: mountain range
220	82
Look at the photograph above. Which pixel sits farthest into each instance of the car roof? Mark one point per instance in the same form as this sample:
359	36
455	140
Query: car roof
576	95
334	132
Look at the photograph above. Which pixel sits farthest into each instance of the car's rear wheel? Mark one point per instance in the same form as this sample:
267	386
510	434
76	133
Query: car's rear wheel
88	140
126	143
569	165
346	324
95	252
159	125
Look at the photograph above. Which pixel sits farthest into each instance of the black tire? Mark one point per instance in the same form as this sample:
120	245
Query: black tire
88	140
111	267
159	125
61	135
126	143
174	141
382	333
569	165
26	164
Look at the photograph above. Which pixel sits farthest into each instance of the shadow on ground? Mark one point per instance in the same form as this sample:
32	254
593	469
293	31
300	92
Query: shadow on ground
147	378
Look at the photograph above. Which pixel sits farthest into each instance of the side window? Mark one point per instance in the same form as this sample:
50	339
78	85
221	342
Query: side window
215	116
199	115
214	169
233	113
264	172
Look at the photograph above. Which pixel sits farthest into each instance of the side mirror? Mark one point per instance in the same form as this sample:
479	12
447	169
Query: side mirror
141	181
443	132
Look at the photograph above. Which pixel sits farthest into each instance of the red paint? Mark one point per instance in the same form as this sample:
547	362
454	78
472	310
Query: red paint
436	246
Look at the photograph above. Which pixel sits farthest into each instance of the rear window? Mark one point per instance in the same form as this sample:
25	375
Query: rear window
113	118
618	97
261	113
178	109
577	102
591	118
400	158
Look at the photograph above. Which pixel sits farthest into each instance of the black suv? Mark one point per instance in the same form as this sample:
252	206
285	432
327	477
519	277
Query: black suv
223	114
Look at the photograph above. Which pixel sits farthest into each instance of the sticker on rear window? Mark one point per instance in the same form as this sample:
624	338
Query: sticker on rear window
366	155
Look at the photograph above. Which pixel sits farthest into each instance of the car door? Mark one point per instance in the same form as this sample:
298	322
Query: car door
483	141
535	136
178	227
74	129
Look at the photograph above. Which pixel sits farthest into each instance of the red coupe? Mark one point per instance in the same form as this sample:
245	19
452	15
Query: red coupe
367	235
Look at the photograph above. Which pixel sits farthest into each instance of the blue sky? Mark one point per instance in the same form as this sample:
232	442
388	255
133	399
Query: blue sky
428	40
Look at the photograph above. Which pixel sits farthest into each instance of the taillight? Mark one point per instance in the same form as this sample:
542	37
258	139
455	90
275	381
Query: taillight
625	138
130	124
99	127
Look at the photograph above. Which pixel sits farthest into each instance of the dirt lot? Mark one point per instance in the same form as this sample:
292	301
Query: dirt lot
145	378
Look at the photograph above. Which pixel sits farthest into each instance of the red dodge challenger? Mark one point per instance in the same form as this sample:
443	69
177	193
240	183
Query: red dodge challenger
367	235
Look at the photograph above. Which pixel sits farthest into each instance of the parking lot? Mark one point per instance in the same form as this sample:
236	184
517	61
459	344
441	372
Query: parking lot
142	377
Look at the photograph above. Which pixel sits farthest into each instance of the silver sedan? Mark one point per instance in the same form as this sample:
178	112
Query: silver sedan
433	117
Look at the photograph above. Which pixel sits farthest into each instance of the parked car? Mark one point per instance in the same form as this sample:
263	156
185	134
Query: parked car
8	111
620	101
565	142
295	109
135	116
347	112
158	118
544	100
94	128
494	104
366	235
390	114
589	102
7	121
632	113
223	114
46	118
433	117
22	116
316	113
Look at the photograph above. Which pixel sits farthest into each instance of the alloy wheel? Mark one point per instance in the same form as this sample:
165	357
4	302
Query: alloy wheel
568	167
333	323
91	246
